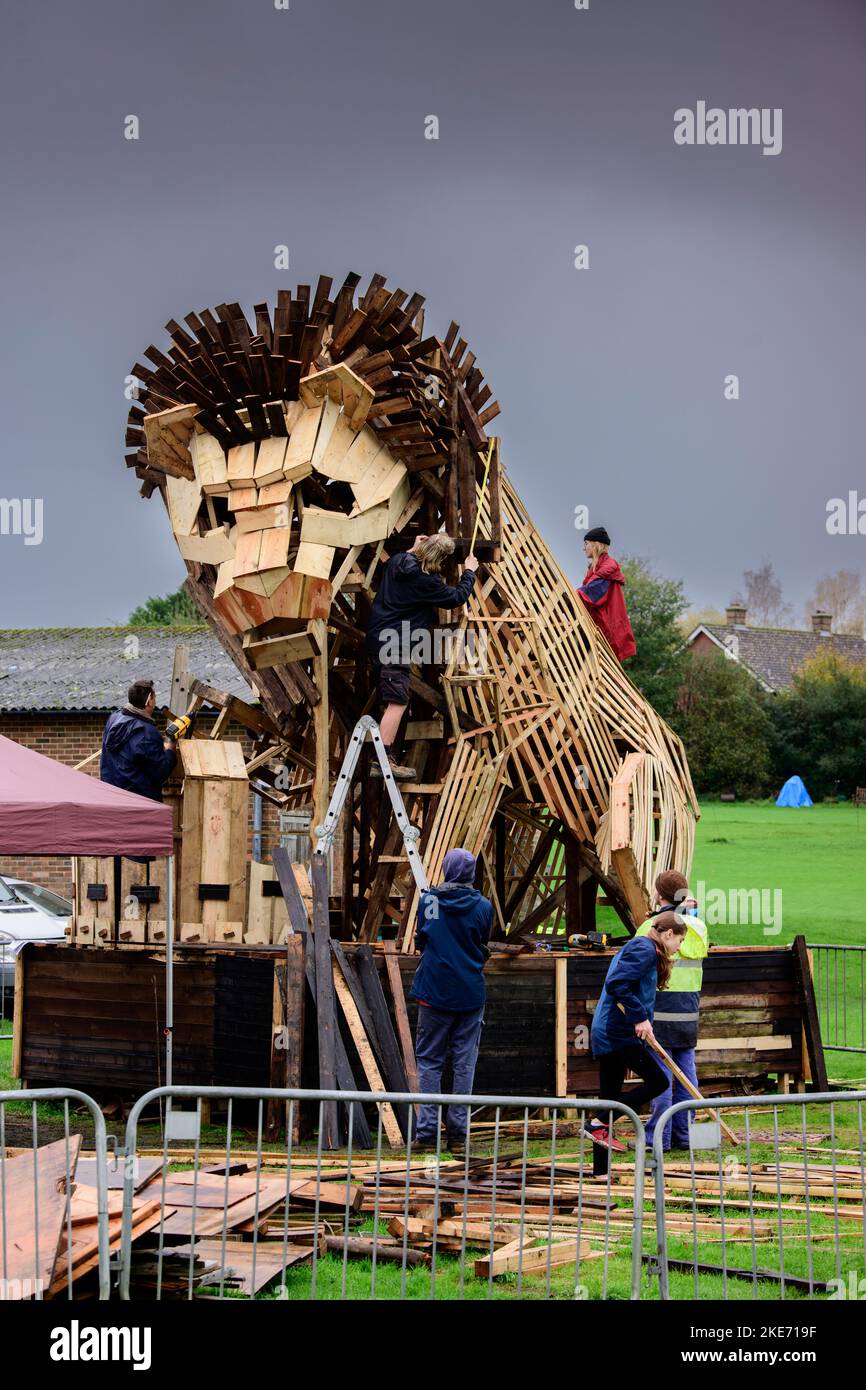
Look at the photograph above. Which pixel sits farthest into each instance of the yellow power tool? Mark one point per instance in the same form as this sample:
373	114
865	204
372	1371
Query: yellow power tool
180	726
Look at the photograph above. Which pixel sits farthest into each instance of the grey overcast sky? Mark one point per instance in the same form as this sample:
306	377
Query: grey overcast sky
305	126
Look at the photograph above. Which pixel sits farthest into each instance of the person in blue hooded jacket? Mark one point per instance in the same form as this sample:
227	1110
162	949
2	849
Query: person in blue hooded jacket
135	756
622	1023
454	924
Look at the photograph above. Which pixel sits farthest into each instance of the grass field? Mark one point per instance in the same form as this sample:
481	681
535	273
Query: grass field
810	867
814	858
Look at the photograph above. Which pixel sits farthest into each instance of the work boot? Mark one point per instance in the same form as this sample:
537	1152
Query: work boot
457	1149
398	771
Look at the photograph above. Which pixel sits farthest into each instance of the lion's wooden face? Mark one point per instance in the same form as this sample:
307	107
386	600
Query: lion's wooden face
282	545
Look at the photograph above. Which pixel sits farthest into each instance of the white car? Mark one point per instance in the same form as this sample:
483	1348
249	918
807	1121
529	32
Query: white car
27	913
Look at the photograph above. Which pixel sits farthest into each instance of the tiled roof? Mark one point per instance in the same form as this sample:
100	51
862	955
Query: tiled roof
774	654
90	668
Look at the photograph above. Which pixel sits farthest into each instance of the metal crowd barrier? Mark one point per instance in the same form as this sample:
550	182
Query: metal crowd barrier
519	1207
43	1192
226	1213
781	1211
839	974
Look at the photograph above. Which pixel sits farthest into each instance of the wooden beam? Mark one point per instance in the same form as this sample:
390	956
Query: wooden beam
365	1054
539	857
809	1012
362	1138
325	1003
561	1027
633	887
395	1072
546	908
181	680
291	892
280	651
321	716
620	802
395	981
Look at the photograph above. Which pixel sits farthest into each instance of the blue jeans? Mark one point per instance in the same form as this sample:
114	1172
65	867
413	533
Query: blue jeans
439	1031
678	1128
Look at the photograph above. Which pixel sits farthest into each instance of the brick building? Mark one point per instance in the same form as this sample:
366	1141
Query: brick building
774	654
59	685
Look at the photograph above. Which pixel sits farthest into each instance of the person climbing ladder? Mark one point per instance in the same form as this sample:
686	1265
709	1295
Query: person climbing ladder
403	610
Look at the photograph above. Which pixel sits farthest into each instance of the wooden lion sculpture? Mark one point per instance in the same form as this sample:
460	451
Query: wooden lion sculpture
292	457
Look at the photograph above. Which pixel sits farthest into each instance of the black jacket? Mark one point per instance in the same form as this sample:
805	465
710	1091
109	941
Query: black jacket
133	756
408	595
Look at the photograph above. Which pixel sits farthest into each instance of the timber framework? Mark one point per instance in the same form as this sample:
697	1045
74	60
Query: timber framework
293	455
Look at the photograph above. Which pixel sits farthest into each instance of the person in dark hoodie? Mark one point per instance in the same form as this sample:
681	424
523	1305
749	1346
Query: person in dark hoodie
602	592
454	923
622	1023
411	590
135	756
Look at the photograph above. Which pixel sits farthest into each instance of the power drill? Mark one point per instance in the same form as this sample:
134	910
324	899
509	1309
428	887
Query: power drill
180	727
593	940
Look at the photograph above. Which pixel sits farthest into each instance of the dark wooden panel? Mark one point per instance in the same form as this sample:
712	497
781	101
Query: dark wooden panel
94	1019
243	1013
517	1044
749	992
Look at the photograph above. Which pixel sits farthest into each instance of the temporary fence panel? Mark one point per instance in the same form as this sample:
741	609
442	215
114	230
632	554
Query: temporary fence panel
56	1222
778	1214
516	1212
839	973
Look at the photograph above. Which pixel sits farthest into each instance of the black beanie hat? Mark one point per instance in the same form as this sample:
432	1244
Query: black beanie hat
598	533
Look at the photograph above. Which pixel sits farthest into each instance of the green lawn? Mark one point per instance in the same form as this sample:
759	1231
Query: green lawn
814	858
811	864
764	875
830	1252
806	873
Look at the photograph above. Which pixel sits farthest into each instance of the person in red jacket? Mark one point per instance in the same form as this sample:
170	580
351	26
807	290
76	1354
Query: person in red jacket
602	592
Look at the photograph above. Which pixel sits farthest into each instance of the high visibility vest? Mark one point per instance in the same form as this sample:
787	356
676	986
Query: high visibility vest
675	1017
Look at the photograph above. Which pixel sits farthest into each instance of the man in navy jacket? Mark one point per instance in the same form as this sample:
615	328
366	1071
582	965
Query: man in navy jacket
454	923
135	756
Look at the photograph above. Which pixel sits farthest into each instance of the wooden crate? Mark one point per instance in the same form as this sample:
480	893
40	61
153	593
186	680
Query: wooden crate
212	888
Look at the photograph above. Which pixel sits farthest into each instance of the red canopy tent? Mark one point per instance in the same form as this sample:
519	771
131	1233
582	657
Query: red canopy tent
48	808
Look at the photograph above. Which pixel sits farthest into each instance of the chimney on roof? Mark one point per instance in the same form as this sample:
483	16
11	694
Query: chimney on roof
735	615
822	622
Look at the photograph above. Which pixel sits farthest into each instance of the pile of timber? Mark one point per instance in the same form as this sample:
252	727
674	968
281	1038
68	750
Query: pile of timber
48	1219
49	1224
498	1214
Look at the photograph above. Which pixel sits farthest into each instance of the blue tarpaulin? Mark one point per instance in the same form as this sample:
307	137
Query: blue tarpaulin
794	793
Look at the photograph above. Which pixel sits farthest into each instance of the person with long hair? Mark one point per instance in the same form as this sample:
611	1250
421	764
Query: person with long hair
622	1023
403	610
677	1006
602	592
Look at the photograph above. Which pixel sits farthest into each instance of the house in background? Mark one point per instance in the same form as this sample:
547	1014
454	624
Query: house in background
59	685
773	655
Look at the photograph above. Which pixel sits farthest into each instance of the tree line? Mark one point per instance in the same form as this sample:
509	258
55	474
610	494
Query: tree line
738	738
